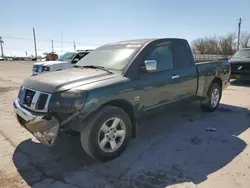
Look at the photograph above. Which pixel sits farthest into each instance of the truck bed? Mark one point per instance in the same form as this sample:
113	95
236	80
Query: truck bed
206	72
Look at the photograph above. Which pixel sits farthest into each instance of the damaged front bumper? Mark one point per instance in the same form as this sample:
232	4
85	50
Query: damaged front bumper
45	128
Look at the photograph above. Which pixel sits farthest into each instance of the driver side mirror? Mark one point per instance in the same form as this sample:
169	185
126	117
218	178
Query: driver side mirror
150	65
75	60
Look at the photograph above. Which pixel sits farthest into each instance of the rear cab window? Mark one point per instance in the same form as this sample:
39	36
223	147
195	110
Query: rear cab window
182	54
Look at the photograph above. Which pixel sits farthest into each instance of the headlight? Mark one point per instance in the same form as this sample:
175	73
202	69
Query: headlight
67	102
46	68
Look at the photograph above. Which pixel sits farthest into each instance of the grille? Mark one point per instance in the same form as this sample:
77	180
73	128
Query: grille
29	94
42	101
34	100
37	68
240	68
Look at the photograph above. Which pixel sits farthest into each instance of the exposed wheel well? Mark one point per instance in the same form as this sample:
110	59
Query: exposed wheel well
218	81
128	108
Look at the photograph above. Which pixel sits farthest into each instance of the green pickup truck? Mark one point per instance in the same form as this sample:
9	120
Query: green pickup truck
115	87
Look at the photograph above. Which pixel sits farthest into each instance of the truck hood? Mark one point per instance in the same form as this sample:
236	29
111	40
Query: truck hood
48	63
240	60
65	79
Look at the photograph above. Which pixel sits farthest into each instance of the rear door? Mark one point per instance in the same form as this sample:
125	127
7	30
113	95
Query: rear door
185	79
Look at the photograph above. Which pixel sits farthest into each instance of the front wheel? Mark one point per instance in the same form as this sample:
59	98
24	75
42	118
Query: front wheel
213	98
107	133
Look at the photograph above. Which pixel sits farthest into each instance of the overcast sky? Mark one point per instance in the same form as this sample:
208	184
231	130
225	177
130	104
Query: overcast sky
96	22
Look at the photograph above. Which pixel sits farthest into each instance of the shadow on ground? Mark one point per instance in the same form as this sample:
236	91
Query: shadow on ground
169	149
244	83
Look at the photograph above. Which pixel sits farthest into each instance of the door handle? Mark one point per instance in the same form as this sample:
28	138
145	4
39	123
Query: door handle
175	77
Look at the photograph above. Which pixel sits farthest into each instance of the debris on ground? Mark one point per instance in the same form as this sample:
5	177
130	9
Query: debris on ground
196	140
211	129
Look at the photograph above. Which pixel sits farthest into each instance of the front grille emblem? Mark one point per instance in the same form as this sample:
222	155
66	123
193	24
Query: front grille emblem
239	67
28	98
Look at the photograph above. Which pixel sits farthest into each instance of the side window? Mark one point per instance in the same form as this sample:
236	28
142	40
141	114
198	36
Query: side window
163	57
74	61
81	55
183	58
152	55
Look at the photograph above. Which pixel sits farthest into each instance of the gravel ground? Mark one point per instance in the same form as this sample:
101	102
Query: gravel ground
171	150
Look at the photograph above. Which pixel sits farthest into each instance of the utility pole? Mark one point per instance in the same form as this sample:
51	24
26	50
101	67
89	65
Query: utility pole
34	34
52	43
74	46
239	27
1	44
61	42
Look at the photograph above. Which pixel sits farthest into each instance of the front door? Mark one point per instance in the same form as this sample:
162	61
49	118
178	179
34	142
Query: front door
159	86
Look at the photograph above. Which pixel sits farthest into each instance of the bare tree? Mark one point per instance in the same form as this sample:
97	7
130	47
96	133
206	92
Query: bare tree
244	39
207	45
199	46
224	45
227	44
212	46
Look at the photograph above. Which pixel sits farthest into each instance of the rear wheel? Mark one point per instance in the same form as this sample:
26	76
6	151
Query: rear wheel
212	101
107	133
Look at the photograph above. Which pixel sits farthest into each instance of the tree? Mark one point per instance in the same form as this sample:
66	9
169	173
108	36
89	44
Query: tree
224	45
227	44
50	56
244	39
207	45
212	46
199	46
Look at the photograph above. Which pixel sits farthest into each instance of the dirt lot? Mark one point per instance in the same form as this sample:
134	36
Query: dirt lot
171	150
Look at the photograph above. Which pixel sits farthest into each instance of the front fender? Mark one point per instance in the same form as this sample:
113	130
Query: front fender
91	107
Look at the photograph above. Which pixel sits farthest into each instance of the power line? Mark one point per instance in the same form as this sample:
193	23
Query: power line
16	38
45	40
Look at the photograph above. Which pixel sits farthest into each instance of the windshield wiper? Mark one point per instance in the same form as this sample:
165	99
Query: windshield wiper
93	67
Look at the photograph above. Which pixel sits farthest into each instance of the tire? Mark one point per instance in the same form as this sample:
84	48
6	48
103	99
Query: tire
92	136
210	105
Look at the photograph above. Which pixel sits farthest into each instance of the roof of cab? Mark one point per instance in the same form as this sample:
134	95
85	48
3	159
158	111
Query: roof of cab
88	50
143	41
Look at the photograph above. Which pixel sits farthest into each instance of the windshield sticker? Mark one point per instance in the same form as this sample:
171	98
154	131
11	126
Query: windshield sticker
133	45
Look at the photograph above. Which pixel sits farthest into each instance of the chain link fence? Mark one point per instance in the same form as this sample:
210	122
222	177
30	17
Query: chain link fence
209	57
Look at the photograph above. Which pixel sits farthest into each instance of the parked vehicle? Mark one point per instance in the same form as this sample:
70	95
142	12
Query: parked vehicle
115	87
240	64
66	61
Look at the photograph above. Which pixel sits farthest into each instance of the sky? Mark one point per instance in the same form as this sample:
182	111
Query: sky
91	23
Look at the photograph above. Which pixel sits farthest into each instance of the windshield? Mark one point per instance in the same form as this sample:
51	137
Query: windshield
112	56
242	54
67	56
